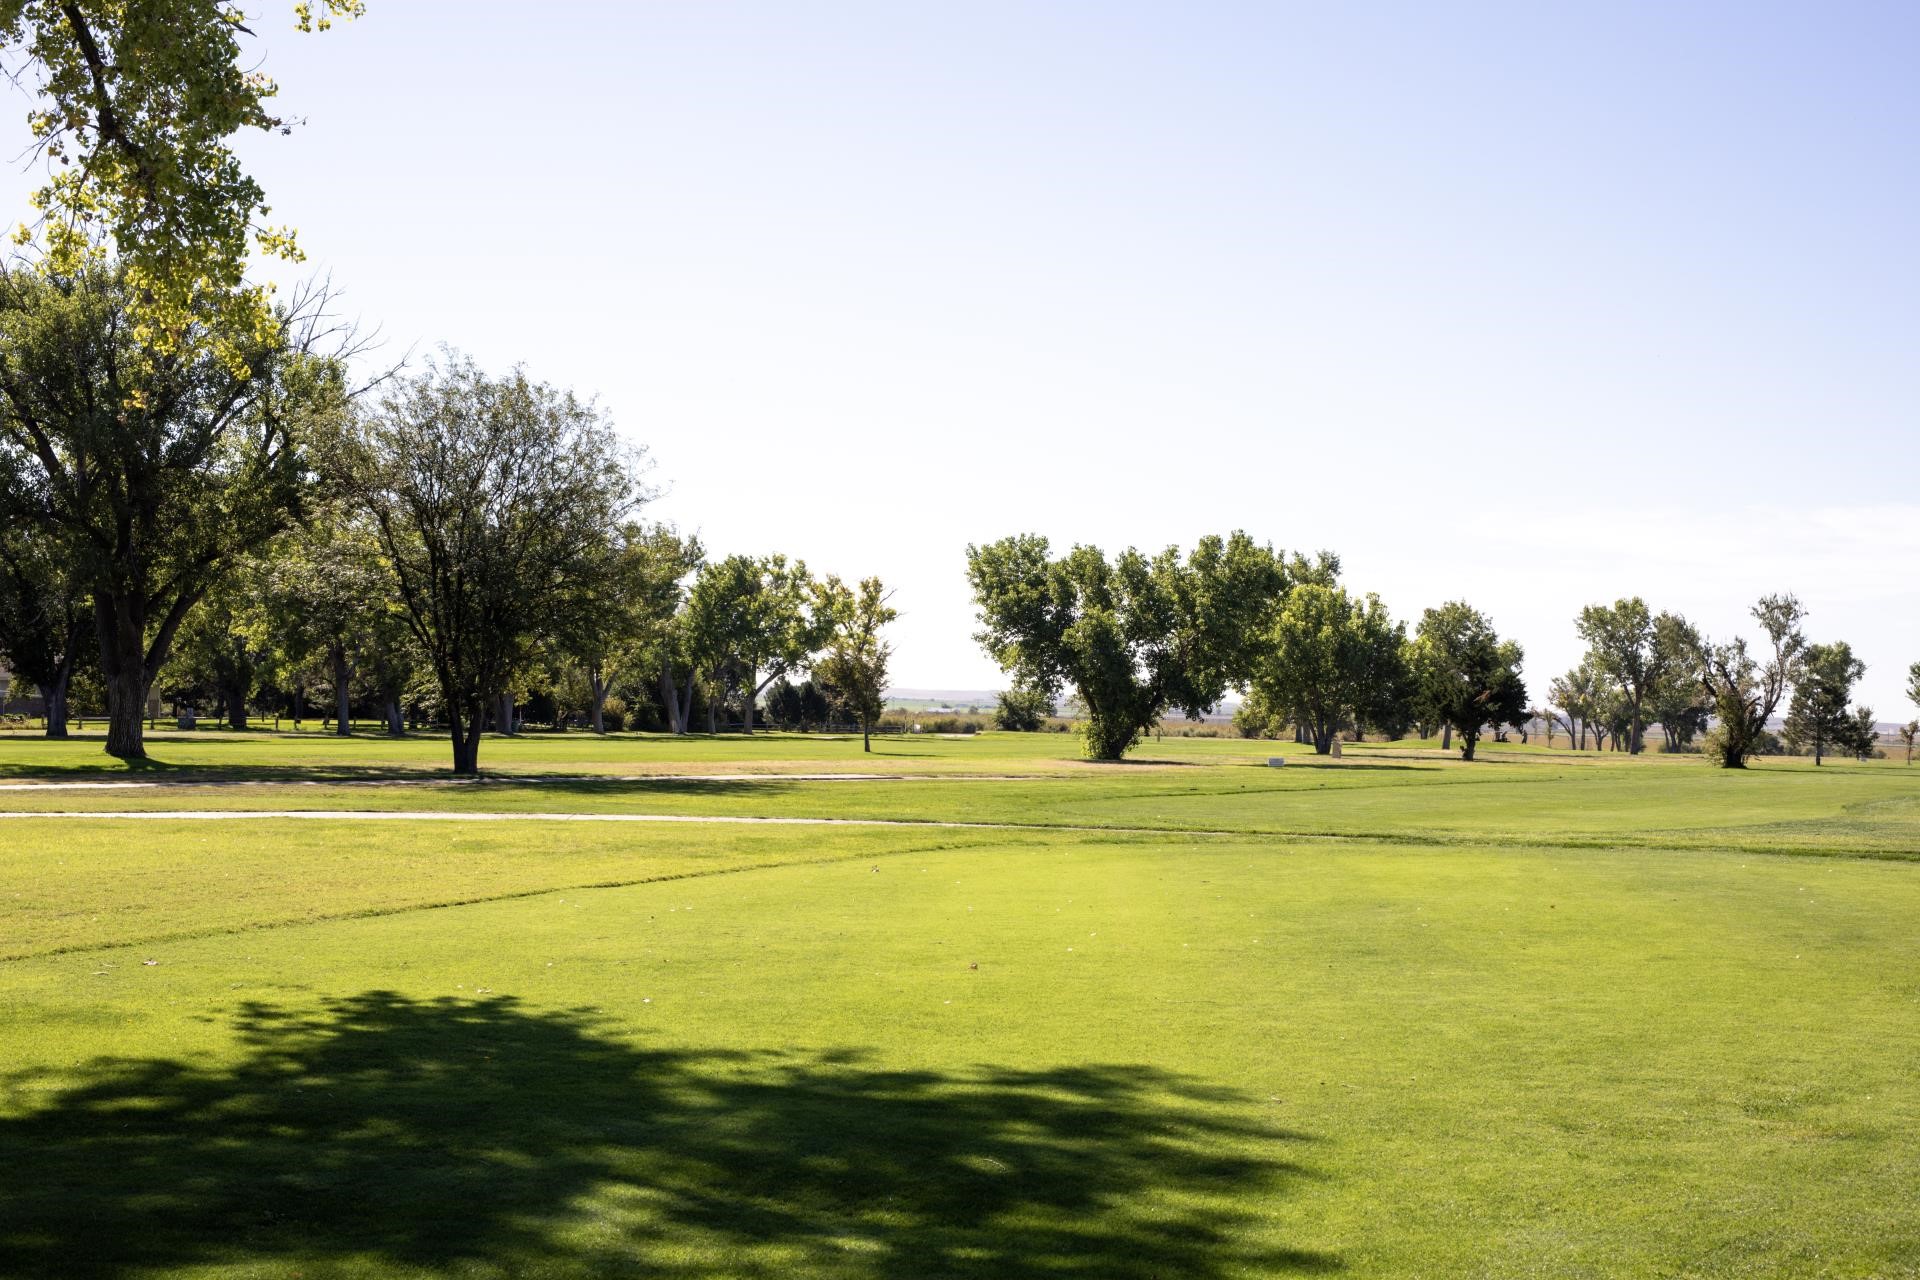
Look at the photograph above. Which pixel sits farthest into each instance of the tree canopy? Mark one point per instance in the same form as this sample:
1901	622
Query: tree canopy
1465	675
853	670
753	620
1134	636
135	105
1745	690
488	495
1818	716
1332	661
152	476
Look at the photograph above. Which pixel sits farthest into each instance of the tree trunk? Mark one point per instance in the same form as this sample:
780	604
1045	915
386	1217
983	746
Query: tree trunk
712	728
1322	739
126	699
236	708
297	699
1468	741
123	668
395	726
748	694
599	688
56	694
686	704
466	743
866	733
342	692
670	695
503	714
1446	736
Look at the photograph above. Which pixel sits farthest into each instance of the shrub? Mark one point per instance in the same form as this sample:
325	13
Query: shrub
613	713
1023	710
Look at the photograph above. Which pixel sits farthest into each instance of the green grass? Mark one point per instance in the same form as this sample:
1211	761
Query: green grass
1537	1016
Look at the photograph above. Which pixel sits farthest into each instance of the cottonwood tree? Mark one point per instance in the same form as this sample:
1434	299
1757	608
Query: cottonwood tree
753	620
1745	690
1135	635
1465	675
620	606
1332	660
152	476
853	668
1638	651
1817	715
1674	701
487	495
44	617
1568	706
134	106
327	599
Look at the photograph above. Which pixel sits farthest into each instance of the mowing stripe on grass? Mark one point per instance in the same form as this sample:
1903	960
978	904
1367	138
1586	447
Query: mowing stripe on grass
455	815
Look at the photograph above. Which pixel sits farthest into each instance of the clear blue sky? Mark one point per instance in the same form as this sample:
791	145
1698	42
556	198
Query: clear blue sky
1534	305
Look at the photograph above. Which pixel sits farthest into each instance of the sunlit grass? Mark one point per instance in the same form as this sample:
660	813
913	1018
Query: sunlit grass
1533	1016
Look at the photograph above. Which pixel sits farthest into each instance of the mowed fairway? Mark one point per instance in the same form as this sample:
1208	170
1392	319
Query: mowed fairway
1541	1015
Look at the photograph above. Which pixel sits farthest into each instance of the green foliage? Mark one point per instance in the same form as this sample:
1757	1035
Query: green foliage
1650	658
1333	661
43	612
751	620
135	106
218	659
1023	710
618	610
1744	691
613	713
1254	718
1675	700
853	669
152	477
327	611
1818	719
1464	675
801	706
1134	636
489	497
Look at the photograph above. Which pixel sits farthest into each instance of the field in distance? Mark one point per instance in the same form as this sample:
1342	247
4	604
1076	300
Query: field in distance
286	1004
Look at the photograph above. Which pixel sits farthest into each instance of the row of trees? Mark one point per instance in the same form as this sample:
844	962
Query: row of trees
448	539
1139	636
1644	668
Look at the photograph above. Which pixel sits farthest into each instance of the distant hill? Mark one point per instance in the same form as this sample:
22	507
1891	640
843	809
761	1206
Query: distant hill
942	699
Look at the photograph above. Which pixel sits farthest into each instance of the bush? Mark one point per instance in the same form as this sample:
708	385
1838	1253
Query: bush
1023	710
1251	719
613	713
905	722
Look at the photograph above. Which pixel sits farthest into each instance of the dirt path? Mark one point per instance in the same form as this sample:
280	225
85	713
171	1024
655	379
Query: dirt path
122	784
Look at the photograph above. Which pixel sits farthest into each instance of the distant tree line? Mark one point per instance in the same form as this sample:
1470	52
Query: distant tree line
1137	637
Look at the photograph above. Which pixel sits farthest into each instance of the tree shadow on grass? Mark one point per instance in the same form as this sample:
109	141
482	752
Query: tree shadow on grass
389	1135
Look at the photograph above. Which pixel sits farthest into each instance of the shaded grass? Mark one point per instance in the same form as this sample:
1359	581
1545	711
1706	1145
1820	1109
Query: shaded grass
1205	1058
